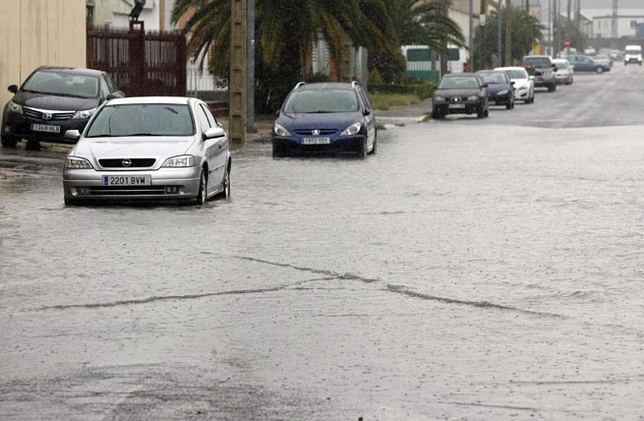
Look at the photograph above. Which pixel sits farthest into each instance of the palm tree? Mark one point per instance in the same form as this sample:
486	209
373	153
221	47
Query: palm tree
524	33
363	22
421	23
428	23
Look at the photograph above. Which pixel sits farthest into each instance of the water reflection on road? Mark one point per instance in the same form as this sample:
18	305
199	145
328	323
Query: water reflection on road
456	274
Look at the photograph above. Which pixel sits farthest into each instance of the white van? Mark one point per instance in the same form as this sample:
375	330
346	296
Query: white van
456	59
633	54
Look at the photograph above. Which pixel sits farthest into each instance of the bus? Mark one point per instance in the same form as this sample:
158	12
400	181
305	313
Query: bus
424	64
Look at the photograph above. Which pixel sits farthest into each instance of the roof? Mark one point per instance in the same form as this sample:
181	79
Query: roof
326	85
151	100
71	70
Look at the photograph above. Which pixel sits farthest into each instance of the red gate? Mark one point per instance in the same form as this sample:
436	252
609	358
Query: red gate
140	63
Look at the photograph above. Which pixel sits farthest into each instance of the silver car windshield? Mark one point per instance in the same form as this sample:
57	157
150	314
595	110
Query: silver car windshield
142	120
322	101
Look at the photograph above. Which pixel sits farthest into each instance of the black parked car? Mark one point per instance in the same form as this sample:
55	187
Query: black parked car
460	93
53	100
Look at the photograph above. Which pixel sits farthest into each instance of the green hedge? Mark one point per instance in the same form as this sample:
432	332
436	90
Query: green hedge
422	90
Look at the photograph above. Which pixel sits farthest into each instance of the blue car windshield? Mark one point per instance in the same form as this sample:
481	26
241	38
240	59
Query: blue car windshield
321	101
142	120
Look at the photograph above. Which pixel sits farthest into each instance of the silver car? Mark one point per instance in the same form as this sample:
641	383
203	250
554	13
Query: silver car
151	148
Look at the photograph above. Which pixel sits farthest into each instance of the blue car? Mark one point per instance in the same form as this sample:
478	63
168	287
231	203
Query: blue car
325	118
499	86
587	64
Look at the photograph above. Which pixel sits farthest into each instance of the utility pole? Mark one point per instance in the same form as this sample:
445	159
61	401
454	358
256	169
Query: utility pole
499	50
470	62
250	68
508	33
237	82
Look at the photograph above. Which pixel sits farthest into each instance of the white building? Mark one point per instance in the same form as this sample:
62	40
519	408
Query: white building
627	20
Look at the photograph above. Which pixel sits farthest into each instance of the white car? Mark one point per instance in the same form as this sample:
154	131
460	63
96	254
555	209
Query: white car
564	72
149	148
523	83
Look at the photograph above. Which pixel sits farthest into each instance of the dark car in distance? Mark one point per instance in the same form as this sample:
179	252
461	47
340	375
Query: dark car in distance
500	87
460	93
53	100
325	118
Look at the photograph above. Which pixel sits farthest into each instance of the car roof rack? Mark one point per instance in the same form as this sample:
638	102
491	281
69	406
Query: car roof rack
299	84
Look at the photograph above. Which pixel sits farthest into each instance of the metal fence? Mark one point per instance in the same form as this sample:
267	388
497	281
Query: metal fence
140	63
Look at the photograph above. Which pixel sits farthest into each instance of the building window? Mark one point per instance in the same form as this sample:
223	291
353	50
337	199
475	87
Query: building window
89	17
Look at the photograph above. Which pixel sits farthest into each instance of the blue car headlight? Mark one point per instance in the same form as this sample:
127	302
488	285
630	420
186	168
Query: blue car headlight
280	130
352	130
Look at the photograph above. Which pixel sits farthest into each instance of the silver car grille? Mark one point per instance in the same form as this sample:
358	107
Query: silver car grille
48	114
127	163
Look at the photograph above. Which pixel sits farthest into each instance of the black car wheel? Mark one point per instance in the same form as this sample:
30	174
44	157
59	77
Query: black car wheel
365	149
552	87
9	141
225	193
277	152
374	148
202	194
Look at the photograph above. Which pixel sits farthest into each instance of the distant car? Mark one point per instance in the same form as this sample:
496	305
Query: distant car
541	67
587	64
604	58
149	148
460	93
500	87
325	118
565	72
633	54
523	83
53	100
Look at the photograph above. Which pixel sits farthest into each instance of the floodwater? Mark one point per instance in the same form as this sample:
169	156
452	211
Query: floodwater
470	270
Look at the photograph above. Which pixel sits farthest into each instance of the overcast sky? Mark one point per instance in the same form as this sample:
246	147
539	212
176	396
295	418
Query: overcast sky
608	4
596	4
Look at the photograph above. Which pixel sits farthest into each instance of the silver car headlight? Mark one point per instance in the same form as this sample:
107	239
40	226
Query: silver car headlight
439	99
181	161
280	130
84	113
15	108
472	98
503	92
352	130
76	163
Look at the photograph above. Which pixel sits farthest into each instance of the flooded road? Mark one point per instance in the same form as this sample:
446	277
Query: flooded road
470	270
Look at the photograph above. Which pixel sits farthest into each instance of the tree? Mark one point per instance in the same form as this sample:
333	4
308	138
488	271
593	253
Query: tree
286	31
525	32
421	23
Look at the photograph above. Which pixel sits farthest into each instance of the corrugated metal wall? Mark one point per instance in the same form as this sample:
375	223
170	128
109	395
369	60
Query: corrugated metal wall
39	32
